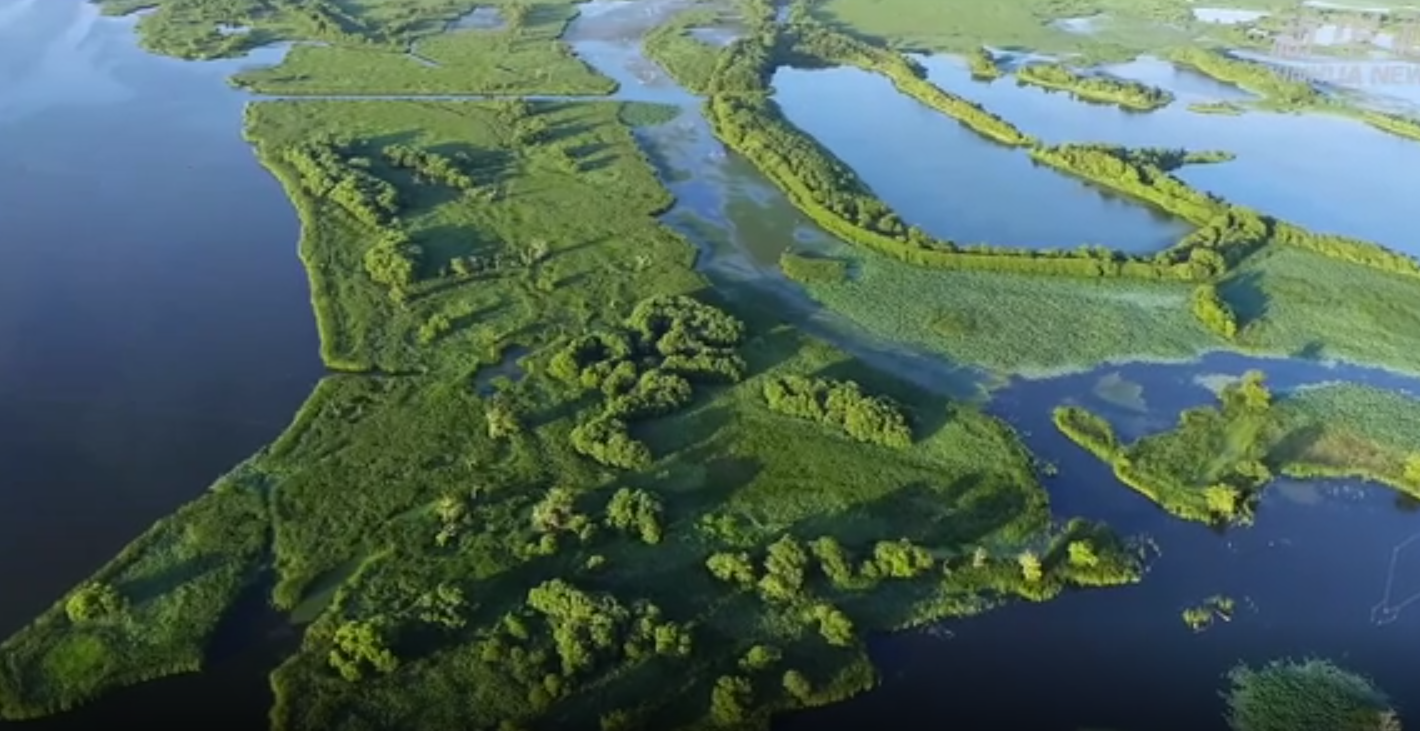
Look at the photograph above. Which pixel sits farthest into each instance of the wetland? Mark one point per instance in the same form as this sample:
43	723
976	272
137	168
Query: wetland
690	365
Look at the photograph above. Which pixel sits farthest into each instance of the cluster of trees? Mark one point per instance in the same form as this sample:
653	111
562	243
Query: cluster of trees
841	404
94	600
328	171
784	570
645	370
429	167
362	646
1130	94
1215	314
393	261
1261	78
1117	168
636	512
589	628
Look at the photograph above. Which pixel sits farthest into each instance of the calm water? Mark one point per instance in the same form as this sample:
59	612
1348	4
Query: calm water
1308	578
1326	173
946	180
155	324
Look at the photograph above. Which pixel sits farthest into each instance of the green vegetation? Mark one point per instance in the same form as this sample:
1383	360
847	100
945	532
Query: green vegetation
690	61
1226	108
484	261
1213	312
635	531
842	404
149	611
365	48
983	65
1306	695
1124	93
1274	85
806	269
1396	124
1213	465
1213	609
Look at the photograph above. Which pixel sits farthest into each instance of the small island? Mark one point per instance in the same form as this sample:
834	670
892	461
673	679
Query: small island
1102	89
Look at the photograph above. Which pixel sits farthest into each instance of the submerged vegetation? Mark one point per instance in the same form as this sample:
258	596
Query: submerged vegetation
1306	695
1127	94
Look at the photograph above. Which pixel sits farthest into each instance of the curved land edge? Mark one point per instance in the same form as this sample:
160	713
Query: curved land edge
1213	466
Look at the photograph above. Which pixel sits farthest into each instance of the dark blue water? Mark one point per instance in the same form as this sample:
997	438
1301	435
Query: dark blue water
155	324
1309	578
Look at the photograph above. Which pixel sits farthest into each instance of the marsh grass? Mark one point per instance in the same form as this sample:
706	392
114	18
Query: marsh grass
399	520
689	60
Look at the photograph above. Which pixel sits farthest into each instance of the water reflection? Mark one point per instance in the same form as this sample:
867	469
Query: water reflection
950	182
1326	173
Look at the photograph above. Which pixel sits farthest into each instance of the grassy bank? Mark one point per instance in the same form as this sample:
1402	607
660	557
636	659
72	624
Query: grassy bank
147	613
1214	464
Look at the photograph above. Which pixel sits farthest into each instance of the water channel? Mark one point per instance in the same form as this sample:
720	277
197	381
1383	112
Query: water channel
184	320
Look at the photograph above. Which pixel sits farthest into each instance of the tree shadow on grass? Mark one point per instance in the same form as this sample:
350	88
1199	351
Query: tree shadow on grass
970	510
1245	295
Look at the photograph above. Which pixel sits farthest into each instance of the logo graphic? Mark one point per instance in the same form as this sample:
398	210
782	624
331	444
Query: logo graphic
1310	36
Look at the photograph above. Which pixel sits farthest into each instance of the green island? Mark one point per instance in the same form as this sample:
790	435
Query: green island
1201	616
1126	94
558	475
1213	465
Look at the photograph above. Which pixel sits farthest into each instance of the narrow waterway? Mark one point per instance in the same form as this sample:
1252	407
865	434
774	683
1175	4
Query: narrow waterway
1311	571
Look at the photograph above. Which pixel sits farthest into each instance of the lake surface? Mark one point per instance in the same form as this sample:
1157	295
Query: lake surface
950	182
1287	165
155	323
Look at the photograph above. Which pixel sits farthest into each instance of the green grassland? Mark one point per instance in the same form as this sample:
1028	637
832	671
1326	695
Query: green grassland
601	253
690	61
366	47
552	545
1212	466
